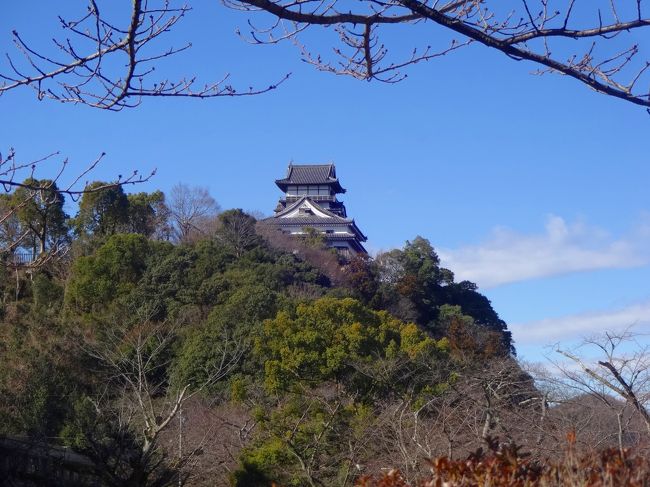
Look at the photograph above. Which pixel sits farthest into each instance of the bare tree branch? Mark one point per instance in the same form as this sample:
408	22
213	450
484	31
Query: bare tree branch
85	67
622	372
134	359
547	38
111	67
24	189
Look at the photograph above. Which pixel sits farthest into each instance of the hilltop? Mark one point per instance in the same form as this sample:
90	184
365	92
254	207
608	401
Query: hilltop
233	354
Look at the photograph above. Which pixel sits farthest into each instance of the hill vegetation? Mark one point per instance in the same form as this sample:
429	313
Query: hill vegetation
173	345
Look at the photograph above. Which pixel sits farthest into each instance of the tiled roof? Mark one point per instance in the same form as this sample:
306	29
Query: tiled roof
313	220
310	174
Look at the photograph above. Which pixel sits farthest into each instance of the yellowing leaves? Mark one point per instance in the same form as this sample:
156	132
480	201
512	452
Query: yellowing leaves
326	338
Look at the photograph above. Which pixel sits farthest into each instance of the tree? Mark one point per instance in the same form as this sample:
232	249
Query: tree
41	212
149	215
193	212
361	278
240	317
237	231
414	273
622	368
139	400
474	304
111	210
469	341
11	233
592	43
326	337
326	365
102	212
413	285
36	199
455	415
112	272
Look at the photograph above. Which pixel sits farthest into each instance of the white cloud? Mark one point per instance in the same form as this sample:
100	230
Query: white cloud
563	248
571	327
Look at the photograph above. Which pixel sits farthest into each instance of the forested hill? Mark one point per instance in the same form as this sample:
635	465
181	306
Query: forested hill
205	349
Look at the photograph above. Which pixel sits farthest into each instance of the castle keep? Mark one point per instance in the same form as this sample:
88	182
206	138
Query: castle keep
310	201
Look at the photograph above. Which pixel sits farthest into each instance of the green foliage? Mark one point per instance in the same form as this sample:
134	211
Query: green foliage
101	211
324	338
258	461
414	287
148	215
415	274
300	442
316	361
40	211
46	293
169	281
234	323
33	396
327	364
97	280
107	211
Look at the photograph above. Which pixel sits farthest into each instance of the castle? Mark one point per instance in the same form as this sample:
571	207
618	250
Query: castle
310	201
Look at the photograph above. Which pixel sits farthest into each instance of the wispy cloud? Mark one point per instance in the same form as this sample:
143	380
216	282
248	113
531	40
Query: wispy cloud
509	256
572	327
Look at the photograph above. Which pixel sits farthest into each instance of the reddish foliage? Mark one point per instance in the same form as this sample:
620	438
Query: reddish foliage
473	342
505	466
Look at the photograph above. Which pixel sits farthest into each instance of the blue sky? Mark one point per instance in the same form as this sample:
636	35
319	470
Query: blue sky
533	187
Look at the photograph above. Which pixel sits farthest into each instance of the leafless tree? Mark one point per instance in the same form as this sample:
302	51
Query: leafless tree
579	417
108	64
218	432
193	212
496	400
134	359
620	367
236	229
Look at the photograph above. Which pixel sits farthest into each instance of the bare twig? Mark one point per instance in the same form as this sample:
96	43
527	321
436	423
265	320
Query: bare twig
24	189
547	38
85	67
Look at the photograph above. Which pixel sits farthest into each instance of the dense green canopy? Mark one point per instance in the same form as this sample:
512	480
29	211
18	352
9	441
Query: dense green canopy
309	350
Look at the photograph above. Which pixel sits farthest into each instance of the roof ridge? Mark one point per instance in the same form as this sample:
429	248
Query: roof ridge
311	165
311	174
